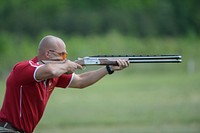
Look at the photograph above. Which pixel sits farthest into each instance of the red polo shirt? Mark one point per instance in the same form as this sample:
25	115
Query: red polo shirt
26	98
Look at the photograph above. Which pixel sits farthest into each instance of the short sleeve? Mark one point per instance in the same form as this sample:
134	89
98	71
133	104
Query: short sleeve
64	80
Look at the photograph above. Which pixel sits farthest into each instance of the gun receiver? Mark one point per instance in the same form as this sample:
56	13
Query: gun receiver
112	59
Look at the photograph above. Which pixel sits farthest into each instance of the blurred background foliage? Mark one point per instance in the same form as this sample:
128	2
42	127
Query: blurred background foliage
137	17
115	26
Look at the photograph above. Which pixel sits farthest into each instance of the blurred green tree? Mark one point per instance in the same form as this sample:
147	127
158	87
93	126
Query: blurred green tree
136	17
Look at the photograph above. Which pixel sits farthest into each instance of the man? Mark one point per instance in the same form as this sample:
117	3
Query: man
30	84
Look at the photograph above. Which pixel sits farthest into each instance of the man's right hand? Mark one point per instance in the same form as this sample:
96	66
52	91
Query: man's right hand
72	66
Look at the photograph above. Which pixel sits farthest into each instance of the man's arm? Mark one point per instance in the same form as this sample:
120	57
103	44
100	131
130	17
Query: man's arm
86	79
52	70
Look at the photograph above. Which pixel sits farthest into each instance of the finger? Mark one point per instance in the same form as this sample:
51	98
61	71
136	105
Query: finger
119	63
123	63
127	63
79	67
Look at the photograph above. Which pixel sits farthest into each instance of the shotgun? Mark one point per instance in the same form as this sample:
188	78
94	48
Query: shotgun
112	59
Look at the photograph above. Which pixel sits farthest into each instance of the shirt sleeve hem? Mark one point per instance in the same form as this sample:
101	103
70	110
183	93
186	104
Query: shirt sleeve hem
34	76
70	81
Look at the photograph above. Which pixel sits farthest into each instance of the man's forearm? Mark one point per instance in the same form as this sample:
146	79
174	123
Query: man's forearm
91	77
88	78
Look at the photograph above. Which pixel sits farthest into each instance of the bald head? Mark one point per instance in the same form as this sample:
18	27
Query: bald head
50	43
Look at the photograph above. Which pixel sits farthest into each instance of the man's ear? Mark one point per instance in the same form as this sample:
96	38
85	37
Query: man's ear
47	54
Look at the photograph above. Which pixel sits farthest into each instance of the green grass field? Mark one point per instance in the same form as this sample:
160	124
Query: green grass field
126	103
